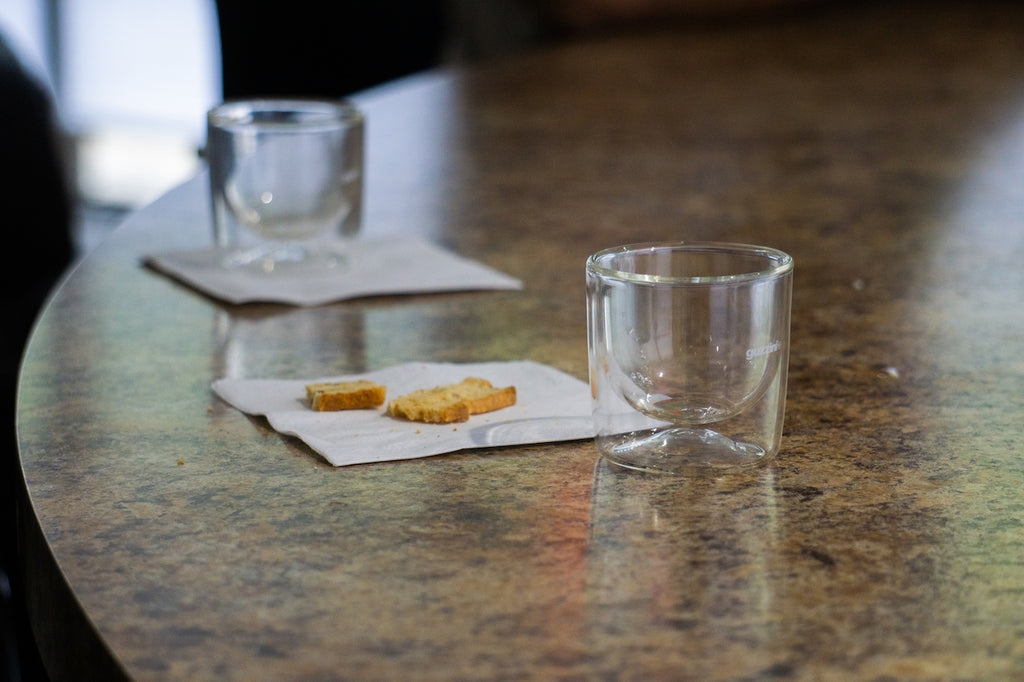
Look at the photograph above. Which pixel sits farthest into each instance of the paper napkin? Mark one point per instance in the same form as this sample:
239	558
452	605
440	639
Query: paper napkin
372	267
550	406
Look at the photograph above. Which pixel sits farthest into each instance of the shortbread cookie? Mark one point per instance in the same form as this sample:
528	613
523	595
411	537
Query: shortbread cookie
345	395
452	403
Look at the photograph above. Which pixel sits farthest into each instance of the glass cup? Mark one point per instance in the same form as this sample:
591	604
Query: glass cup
286	181
689	354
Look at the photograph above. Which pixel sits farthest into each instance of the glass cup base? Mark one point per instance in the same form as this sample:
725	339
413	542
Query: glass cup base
681	450
286	259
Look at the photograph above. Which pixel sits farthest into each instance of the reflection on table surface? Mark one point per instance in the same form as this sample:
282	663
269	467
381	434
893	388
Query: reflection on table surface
170	536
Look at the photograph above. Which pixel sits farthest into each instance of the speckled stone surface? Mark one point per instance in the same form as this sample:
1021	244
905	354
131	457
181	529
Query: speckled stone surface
883	148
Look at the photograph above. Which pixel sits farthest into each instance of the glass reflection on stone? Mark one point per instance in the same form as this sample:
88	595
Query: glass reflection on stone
684	561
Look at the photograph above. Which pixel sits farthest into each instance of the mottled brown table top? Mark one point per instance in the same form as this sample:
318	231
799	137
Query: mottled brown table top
882	147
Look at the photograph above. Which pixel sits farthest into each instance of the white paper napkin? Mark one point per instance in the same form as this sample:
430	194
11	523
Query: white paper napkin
550	406
373	267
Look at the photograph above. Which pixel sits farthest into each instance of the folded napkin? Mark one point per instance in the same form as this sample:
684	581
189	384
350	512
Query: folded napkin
372	267
550	406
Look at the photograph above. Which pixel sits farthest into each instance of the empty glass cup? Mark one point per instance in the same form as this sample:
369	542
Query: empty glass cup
689	353
284	174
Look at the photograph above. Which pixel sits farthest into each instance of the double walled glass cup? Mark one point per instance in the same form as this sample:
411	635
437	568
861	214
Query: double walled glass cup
286	176
689	354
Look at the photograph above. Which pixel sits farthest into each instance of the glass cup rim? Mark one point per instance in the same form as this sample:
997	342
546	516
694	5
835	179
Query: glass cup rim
782	262
327	112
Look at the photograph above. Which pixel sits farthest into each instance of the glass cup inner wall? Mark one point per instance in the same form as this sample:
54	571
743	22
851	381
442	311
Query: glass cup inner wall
689	348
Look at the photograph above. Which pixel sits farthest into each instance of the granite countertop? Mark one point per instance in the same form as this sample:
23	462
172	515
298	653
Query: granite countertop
169	536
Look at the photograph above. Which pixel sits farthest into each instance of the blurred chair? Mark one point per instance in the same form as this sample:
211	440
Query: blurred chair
318	48
37	226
